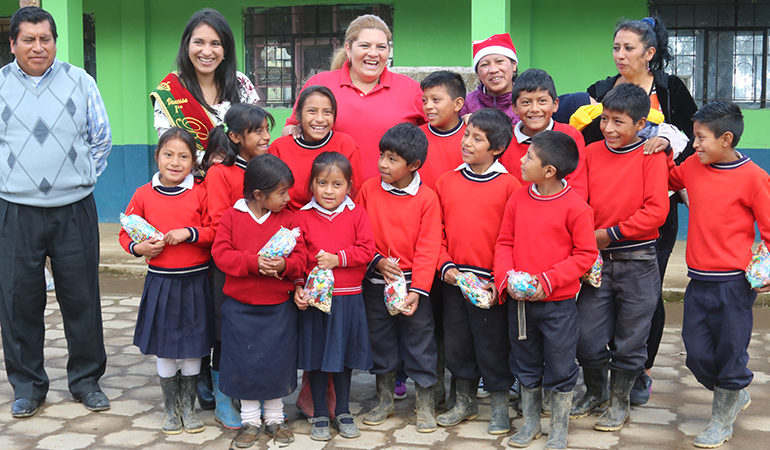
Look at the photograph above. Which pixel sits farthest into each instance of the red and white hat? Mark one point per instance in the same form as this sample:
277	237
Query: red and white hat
497	44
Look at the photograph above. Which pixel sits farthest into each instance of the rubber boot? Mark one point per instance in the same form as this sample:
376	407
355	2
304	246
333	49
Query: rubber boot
560	406
724	409
451	397
205	390
531	401
499	420
225	413
187	392
597	393
619	411
547	398
426	420
385	406
172	423
465	407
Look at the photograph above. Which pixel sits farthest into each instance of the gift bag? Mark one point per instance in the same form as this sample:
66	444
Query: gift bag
396	293
138	229
473	290
758	270
594	274
281	244
320	289
522	284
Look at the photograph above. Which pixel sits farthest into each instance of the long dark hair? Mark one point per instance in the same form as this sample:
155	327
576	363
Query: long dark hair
652	33
241	118
224	75
184	136
265	173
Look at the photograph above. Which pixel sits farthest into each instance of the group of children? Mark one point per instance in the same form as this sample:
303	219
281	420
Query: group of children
453	197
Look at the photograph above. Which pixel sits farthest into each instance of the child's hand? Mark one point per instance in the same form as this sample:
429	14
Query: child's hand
299	298
602	239
177	236
389	270
685	197
327	260
412	299
656	144
272	267
763	289
149	249
490	286
538	295
450	277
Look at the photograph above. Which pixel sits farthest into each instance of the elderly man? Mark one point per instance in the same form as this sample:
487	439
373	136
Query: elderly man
54	141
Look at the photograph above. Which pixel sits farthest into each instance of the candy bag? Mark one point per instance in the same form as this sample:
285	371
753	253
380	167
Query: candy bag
473	290
758	270
320	288
281	244
395	294
594	274
138	228
522	284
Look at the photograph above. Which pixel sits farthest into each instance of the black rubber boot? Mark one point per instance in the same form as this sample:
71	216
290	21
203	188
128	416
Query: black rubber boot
385	406
465	407
172	423
499	420
187	388
547	398
597	393
426	419
205	388
531	401
619	410
560	406
724	410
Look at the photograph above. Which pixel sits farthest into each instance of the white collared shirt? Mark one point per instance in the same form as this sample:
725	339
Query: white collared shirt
534	187
521	137
187	183
241	205
412	189
496	167
347	203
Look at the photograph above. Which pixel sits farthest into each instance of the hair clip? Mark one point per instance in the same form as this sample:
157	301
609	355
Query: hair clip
224	127
649	21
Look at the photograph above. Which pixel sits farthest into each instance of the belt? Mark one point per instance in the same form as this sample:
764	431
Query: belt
643	254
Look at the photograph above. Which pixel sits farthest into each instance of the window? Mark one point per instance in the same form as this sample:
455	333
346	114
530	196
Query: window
5	33
287	45
720	48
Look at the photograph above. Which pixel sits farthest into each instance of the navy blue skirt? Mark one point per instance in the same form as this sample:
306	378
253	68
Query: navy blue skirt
176	316
259	350
333	342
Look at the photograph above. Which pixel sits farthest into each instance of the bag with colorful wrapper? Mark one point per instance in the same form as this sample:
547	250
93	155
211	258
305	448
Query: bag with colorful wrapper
320	288
396	293
281	244
758	270
473	290
594	274
139	229
522	284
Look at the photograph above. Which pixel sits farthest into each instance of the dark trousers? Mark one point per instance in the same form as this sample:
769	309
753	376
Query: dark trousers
620	311
547	357
717	330
416	333
69	235
476	340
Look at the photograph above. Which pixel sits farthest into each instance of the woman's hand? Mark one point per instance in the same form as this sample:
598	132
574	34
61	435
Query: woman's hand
149	249
175	237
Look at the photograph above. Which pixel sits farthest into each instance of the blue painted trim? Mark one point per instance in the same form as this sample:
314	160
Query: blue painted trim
128	167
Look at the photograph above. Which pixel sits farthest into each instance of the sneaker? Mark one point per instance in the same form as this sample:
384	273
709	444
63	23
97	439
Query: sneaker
640	393
481	392
399	393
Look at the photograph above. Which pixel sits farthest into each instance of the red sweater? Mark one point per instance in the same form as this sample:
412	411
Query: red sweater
166	212
405	227
550	237
444	152
469	244
511	159
725	201
225	187
236	246
299	156
347	234
628	192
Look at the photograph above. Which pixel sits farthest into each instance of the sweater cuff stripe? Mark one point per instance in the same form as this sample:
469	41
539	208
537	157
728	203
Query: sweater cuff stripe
446	266
343	258
193	234
419	291
131	249
615	234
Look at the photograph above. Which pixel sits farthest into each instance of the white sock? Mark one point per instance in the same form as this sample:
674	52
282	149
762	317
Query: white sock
273	411
191	366
166	367
250	412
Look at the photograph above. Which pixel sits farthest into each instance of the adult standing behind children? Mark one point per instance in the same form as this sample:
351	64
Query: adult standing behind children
371	99
54	141
198	94
640	51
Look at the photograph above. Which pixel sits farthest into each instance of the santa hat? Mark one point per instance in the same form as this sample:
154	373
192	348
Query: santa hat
497	44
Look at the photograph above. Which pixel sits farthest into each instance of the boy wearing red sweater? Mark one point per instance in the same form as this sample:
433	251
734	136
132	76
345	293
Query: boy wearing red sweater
548	232
535	101
728	193
475	339
406	221
628	192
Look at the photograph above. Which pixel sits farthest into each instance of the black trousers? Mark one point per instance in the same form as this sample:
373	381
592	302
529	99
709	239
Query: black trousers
69	235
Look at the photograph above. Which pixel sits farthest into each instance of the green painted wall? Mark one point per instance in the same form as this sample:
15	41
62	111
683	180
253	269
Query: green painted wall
432	33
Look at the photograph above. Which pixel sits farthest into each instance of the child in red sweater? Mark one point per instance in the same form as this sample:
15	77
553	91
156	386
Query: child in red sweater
728	194
338	236
564	248
259	320
316	113
535	101
175	319
406	220
476	341
628	192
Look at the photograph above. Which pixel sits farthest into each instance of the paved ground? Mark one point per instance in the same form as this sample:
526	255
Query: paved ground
678	410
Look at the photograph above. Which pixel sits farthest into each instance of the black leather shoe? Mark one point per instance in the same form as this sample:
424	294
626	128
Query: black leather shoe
25	407
94	401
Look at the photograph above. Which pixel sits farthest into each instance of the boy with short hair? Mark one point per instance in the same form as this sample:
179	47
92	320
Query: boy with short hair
475	339
548	232
406	221
535	101
628	192
443	96
728	193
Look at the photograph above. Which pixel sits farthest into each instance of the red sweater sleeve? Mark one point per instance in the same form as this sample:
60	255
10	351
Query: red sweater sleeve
427	247
578	179
135	206
676	173
218	194
443	256
297	259
361	252
205	231
504	249
760	205
229	260
654	210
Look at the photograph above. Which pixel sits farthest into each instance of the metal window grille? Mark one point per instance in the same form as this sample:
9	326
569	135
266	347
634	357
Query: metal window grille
89	45
720	48
287	45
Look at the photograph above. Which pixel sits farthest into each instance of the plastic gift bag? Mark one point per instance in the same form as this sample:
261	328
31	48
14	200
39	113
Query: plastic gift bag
139	229
594	274
522	284
396	293
758	270
281	244
320	288
473	290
